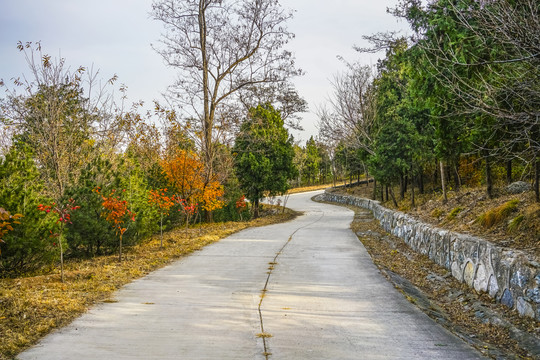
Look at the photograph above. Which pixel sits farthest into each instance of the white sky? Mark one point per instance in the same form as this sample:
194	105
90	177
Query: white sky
115	36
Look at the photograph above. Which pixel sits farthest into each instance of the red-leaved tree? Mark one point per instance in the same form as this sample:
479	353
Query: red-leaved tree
116	212
63	214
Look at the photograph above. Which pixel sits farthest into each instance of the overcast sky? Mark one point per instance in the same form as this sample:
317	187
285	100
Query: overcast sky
115	36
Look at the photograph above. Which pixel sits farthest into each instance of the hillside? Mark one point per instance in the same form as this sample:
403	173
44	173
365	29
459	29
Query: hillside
509	220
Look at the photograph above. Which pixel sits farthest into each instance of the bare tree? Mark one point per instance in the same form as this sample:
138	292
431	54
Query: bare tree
352	108
220	48
57	117
283	96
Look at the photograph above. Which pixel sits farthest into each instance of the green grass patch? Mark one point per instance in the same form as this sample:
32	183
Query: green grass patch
515	223
455	211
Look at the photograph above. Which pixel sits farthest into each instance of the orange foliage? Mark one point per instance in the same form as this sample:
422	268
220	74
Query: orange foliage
185	172
6	222
158	199
116	211
211	196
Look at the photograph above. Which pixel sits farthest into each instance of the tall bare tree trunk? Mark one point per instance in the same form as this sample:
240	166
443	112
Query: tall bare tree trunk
489	178
537	179
256	209
509	172
443	182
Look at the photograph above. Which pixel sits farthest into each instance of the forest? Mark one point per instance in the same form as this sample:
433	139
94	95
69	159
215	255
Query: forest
454	104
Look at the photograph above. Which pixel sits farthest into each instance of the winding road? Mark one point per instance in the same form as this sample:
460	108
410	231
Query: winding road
306	289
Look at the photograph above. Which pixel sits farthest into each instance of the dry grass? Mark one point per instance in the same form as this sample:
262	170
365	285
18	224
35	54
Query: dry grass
33	306
496	216
313	188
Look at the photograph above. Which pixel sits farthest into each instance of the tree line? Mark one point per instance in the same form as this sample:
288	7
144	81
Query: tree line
84	174
455	103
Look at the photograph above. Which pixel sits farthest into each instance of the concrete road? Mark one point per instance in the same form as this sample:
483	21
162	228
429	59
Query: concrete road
323	299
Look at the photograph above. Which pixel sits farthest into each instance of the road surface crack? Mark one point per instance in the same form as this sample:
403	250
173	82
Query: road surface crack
263	334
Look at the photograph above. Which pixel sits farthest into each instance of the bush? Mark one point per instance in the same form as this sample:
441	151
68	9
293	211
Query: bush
454	213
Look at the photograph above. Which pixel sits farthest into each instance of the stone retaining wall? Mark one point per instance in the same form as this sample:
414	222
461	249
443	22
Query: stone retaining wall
511	277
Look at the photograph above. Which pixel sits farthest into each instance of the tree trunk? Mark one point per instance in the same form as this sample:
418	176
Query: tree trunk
443	182
457	178
333	172
60	238
256	209
405	184
489	179
509	172
402	187
393	197
208	111
537	179
374	189
367	177
120	250
161	231
386	192
421	182
412	191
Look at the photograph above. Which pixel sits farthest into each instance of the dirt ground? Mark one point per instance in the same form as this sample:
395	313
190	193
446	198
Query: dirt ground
492	328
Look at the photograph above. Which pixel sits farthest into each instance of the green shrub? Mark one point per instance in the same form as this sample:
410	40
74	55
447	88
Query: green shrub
89	232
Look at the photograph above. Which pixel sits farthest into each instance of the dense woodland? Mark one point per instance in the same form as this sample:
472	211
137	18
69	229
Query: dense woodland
83	174
457	103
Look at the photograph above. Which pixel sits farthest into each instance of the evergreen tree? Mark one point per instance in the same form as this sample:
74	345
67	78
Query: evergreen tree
311	162
264	155
29	246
